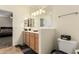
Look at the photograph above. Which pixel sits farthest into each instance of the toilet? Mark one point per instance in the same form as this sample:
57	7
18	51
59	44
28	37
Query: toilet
67	46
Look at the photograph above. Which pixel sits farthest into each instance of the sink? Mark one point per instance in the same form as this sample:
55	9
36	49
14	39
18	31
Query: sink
35	30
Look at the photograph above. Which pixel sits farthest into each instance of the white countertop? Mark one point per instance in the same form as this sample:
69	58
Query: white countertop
40	28
31	32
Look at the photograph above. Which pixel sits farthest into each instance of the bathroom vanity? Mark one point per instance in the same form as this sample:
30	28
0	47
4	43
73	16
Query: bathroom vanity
41	41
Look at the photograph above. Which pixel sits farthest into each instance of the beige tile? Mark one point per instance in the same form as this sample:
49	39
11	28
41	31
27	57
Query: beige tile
10	50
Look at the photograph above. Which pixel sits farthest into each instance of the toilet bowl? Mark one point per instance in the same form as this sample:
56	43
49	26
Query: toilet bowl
67	46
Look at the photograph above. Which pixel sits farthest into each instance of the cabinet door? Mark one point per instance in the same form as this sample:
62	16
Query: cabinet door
26	40
36	43
32	41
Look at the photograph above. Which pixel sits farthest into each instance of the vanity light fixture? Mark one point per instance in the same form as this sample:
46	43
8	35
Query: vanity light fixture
38	12
42	11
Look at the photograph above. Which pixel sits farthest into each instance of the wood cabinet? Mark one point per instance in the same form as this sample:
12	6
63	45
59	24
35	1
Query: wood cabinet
31	39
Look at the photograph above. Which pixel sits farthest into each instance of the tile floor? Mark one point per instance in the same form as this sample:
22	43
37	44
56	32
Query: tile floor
5	42
11	50
19	49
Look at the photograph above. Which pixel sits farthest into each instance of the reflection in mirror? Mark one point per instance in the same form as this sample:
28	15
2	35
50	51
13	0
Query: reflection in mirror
41	22
29	22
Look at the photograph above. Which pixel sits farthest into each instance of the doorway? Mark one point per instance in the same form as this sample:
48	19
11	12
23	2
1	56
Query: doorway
6	28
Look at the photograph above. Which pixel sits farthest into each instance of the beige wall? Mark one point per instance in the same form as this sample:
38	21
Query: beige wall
67	24
5	22
19	14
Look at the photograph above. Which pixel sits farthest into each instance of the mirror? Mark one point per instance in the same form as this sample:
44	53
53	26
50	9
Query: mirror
29	22
44	20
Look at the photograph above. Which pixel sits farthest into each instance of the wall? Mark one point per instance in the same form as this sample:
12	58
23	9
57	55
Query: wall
46	40
19	15
67	24
5	22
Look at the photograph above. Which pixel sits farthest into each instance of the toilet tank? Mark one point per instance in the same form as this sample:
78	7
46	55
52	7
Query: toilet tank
67	46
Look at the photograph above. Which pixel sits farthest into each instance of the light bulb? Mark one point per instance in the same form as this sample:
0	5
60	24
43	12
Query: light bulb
37	12
43	11
34	13
40	10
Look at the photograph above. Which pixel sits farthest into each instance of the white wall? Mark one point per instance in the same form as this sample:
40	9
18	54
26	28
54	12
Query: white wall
67	24
46	40
19	15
